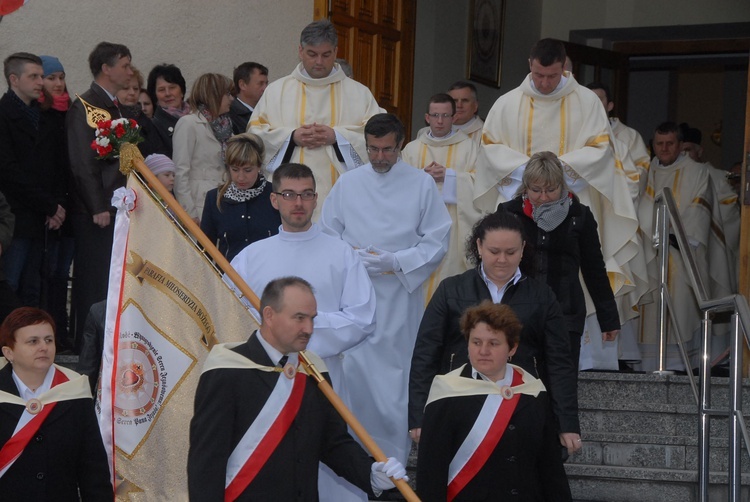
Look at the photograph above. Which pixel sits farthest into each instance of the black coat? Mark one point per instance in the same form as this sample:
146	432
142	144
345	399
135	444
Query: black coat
7	223
152	141
31	176
239	224
227	402
66	454
94	180
543	351
164	124
240	115
556	257
525	466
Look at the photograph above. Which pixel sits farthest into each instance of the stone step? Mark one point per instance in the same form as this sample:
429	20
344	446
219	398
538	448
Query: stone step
650	388
645	418
626	484
660	452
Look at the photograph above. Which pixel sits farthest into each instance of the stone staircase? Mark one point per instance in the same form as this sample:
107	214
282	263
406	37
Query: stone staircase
640	434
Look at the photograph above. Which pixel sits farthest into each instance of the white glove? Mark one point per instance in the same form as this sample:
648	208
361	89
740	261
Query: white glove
381	472
378	261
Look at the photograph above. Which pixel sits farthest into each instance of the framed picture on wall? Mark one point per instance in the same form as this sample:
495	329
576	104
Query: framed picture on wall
486	41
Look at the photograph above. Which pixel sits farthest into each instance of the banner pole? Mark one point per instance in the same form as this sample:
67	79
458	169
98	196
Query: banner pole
131	159
354	424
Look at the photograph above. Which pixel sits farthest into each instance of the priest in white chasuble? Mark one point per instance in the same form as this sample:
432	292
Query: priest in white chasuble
467	105
316	115
550	111
699	211
448	155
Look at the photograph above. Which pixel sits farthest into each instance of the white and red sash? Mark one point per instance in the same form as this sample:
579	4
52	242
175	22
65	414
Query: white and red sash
264	434
268	429
66	385
489	426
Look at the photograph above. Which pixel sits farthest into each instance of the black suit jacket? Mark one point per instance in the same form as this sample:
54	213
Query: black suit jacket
32	175
94	180
164	125
227	401
66	454
240	116
524	466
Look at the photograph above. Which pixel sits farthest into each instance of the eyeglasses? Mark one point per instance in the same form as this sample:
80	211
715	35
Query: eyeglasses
545	191
373	150
440	115
291	195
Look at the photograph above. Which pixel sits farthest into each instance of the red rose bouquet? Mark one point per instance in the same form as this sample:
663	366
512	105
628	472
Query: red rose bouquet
110	134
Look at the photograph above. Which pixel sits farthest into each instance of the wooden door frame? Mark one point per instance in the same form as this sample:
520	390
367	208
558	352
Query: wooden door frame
405	94
601	58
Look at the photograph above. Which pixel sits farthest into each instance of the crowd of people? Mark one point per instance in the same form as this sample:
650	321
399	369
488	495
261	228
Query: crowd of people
417	271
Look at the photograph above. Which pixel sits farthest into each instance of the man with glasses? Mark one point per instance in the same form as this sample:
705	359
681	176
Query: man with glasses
394	215
316	114
448	155
346	299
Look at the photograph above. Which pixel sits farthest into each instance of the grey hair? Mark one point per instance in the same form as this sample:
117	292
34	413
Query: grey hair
546	168
319	32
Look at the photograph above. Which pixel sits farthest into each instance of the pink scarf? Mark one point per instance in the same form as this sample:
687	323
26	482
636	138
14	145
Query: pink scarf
60	103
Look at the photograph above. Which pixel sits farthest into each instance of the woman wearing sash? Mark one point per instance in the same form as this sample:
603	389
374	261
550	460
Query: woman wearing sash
50	445
496	247
485	434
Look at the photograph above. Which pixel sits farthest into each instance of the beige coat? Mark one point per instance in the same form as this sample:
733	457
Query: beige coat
198	162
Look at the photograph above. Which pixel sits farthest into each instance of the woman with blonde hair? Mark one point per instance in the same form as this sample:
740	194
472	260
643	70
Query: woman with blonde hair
239	212
563	241
200	140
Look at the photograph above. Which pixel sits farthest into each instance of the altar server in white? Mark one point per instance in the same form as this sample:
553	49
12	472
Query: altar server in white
394	216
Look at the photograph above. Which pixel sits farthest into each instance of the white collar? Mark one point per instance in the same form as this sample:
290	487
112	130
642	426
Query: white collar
433	137
468	123
506	380
304	72
304	235
491	284
26	393
273	354
110	95
560	85
244	104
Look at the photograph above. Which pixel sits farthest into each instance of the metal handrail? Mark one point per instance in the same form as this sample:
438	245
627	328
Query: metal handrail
740	324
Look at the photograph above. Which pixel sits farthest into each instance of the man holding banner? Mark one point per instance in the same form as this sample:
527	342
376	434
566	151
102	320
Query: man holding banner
343	291
261	425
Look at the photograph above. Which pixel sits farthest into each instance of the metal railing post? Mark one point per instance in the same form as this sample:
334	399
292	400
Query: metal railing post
735	404
667	212
662	229
704	434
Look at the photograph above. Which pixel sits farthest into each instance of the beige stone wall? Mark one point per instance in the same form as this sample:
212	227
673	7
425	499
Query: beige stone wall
199	36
